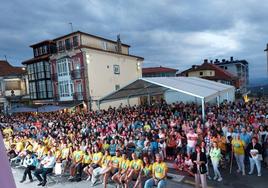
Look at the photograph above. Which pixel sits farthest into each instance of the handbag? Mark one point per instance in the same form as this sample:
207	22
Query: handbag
260	157
203	169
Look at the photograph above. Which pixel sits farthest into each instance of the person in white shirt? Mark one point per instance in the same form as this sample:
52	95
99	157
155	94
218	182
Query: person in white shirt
191	141
47	165
30	162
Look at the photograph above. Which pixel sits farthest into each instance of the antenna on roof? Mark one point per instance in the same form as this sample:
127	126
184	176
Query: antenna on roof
71	25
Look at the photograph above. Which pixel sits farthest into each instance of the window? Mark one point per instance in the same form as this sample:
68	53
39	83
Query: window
35	52
210	73
47	69
31	72
117	87
76	63
44	49
41	88
39	51
60	46
201	73
104	45
32	90
75	41
63	67
67	44
40	70
116	69
65	88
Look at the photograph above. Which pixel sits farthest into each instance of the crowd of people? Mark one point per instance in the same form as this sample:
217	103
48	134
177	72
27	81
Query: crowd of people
130	145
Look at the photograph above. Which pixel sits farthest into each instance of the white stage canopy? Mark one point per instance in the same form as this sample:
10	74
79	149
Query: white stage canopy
205	90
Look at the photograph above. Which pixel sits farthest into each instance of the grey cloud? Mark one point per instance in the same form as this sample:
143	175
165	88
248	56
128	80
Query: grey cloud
169	33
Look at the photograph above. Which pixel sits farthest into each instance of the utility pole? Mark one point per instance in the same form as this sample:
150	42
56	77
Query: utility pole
266	50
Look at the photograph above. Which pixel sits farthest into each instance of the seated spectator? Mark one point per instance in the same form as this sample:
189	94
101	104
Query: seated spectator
145	173
30	162
47	165
159	174
136	165
120	176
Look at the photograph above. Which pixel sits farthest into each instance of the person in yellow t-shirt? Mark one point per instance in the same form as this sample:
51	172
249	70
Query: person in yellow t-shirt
76	166
96	160
41	151
145	173
35	145
87	160
65	157
136	165
105	168
123	168
7	144
105	145
19	145
159	173
8	131
238	148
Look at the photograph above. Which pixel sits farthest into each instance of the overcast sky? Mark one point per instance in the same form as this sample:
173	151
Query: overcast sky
169	33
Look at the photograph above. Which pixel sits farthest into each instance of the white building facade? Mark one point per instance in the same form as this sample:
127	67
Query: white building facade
87	67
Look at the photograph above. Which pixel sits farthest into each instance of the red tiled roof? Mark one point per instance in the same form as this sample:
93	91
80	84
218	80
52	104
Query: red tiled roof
6	69
160	69
220	74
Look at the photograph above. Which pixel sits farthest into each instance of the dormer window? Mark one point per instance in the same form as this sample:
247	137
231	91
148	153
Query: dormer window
60	45
44	49
67	44
75	41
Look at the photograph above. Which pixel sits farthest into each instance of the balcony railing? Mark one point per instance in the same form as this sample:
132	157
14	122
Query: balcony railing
79	96
77	74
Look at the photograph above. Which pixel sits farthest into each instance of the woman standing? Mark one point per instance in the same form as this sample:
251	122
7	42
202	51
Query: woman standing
254	150
215	156
238	148
199	169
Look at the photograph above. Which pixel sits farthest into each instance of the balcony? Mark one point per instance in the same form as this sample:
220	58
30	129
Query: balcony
77	74
79	96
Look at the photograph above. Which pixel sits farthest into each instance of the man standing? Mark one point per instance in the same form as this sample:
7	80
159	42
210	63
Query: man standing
159	173
46	167
254	150
191	141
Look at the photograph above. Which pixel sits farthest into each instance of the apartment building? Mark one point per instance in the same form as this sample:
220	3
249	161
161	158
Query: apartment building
81	68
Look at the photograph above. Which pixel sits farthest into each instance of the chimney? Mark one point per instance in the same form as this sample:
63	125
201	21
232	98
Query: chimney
223	60
119	44
205	60
211	61
216	61
231	58
194	66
